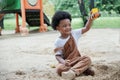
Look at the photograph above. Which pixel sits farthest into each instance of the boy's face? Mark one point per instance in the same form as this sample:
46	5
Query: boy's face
64	27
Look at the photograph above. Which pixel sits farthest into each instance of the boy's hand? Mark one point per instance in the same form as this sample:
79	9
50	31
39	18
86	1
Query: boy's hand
94	13
67	62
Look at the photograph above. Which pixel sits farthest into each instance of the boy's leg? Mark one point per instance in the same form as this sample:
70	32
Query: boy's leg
65	72
82	65
61	68
69	75
89	71
72	73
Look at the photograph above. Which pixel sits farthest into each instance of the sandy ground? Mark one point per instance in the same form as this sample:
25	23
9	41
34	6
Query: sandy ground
32	57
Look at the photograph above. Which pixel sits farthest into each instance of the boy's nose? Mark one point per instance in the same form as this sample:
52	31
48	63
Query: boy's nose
68	26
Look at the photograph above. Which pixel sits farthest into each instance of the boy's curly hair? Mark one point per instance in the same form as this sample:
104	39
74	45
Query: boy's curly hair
58	16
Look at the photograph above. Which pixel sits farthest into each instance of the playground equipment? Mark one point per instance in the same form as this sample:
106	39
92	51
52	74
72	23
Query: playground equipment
1	23
31	12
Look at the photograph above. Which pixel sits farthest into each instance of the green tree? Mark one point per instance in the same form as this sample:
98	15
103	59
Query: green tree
67	5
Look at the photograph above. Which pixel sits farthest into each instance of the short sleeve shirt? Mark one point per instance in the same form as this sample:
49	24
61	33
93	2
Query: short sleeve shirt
61	42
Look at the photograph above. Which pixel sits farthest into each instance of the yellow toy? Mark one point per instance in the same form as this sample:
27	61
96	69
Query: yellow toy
96	13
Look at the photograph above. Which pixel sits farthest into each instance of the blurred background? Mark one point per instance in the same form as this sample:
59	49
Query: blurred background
109	9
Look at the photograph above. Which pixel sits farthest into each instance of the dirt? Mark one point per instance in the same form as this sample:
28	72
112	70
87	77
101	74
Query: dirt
32	58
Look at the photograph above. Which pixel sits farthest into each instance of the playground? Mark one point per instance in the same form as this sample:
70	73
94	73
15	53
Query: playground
32	57
27	54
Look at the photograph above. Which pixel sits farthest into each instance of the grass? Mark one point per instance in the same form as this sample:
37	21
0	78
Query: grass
107	22
10	24
102	22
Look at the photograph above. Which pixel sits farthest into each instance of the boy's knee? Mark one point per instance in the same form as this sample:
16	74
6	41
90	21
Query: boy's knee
59	69
88	60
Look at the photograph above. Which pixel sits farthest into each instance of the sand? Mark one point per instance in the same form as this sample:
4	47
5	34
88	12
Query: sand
31	57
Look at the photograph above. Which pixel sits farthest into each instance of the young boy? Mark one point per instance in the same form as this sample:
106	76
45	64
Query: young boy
71	62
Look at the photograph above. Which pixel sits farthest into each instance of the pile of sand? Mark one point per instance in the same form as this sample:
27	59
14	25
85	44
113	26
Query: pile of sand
32	57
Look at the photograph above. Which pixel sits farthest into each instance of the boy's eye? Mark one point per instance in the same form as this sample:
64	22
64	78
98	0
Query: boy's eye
63	25
66	25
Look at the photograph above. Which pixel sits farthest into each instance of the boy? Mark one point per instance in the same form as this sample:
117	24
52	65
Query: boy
71	62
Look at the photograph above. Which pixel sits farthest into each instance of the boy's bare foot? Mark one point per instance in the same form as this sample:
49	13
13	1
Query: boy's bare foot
69	75
89	71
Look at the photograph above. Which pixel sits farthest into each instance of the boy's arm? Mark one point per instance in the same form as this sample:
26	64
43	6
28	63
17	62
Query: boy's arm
94	14
60	59
87	26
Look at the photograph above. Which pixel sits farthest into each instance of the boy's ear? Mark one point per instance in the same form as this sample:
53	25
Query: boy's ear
57	28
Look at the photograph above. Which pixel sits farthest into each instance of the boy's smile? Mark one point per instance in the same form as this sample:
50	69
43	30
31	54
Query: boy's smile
64	28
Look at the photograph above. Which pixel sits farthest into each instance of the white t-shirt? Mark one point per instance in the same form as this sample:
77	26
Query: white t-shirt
61	42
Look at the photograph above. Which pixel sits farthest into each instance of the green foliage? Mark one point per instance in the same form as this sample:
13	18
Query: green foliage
70	6
109	5
102	22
